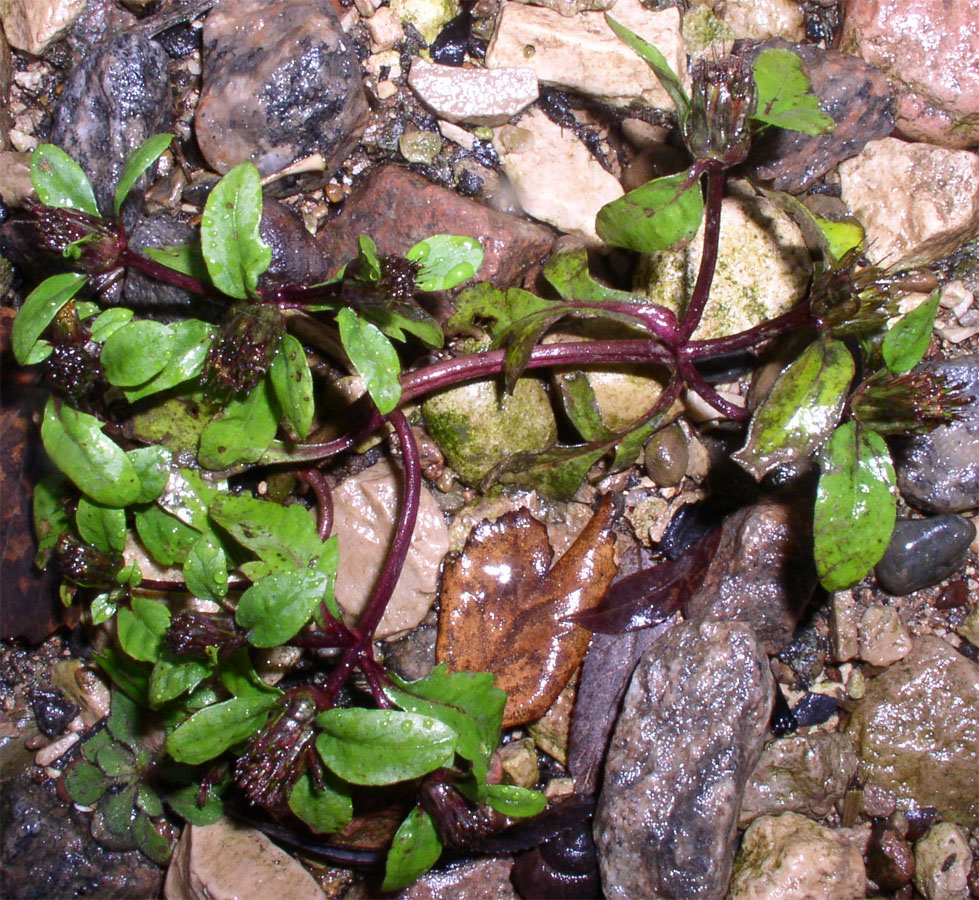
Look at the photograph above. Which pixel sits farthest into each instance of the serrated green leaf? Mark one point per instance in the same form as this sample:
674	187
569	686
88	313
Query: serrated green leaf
85	783
187	259
116	761
60	181
515	802
233	248
383	746
212	730
653	217
124	720
183	801
137	163
324	810
278	606
374	357
785	97
148	801
136	352
206	569
109	322
293	384
50	516
907	342
189	344
446	260
150	841
242	431
39	311
415	849
102	526
169	679
142	628
167	539
802	408
95	463
855	506
152	466
118	810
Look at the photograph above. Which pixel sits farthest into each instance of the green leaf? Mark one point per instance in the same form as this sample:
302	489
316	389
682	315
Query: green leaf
278	606
130	576
183	801
137	163
50	516
150	841
189	343
212	730
242	431
655	216
118	810
415	849
383	746
95	463
802	408
657	62
187	497
556	472
206	569
238	675
136	352
116	761
185	258
446	260
167	539
103	608
103	526
855	506
367	263
907	342
324	810
109	322
233	248
129	675
567	271
581	405
785	98
60	181
374	357
142	628
293	384
841	236
170	679
152	465
85	783
148	801
124	720
515	802
39	311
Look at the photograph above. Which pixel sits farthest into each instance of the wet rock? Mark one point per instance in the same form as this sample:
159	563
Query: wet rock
477	428
762	572
942	862
582	54
939	471
554	175
565	866
890	859
117	97
475	96
969	628
691	729
398	208
419	146
573	7
803	774
666	455
763	269
296	257
478	879
52	711
365	509
856	95
280	81
142	292
923	552
844	641
225	861
916	730
385	29
883	637
932	49
15	177
791	856
760	21
916	202
413	656
427	16
34	25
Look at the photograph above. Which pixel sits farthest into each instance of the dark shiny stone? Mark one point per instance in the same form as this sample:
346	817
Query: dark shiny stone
923	552
52	711
890	859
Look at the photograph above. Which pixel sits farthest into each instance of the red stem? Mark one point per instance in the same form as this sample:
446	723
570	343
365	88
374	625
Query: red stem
324	500
716	178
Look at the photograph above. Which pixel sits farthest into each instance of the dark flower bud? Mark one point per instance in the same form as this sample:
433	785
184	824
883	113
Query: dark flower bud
848	300
243	350
460	822
85	565
192	633
93	243
913	403
724	98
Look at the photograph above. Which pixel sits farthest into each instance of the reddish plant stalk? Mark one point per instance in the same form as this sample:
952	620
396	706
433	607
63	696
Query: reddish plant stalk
324	500
716	178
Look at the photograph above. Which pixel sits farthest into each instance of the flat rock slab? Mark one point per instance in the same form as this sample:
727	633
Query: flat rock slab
691	730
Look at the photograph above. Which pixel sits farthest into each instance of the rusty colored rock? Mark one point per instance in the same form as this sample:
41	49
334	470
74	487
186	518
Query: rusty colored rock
890	859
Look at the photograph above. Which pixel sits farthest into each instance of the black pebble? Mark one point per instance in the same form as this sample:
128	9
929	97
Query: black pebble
52	711
923	552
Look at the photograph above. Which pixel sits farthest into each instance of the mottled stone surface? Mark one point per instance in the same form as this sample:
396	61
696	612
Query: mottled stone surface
942	862
116	98
145	293
398	208
890	859
34	25
856	95
691	729
762	572
806	774
932	48
759	21
296	257
883	637
939	471
916	202
280	82
923	552
478	879
916	731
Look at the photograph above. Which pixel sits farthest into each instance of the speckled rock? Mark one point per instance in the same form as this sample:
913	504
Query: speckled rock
762	572
365	509
806	774
883	637
34	25
923	552
690	732
916	731
280	81
942	862
916	202
478	879
791	856
890	859
760	21
932	48
763	269
116	98
428	16
296	257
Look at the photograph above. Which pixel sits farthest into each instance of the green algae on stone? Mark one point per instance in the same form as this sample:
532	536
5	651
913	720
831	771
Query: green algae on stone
428	16
477	428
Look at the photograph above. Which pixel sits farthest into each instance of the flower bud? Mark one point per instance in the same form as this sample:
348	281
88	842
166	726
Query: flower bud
192	633
92	243
724	98
243	350
847	300
913	403
85	565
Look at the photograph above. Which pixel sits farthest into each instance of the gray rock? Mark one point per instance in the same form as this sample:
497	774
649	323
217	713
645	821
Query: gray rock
691	730
923	552
280	82
116	98
478	879
939	472
296	257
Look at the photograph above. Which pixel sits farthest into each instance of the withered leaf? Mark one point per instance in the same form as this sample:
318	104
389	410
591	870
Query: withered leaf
504	612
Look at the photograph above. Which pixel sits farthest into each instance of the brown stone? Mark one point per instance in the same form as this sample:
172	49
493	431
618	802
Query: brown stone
890	859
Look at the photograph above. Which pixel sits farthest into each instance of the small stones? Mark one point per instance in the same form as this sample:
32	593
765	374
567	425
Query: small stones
923	552
52	711
884	638
916	202
474	96
942	863
419	146
760	21
34	25
890	859
666	456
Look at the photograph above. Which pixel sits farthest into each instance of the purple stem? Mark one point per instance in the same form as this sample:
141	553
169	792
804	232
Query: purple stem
161	272
695	381
789	321
324	500
716	178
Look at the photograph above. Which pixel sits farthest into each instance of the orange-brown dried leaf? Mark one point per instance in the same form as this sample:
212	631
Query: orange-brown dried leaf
504	612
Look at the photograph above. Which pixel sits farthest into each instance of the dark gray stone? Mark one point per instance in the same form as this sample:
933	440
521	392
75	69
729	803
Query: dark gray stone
145	293
296	257
691	731
939	472
923	552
